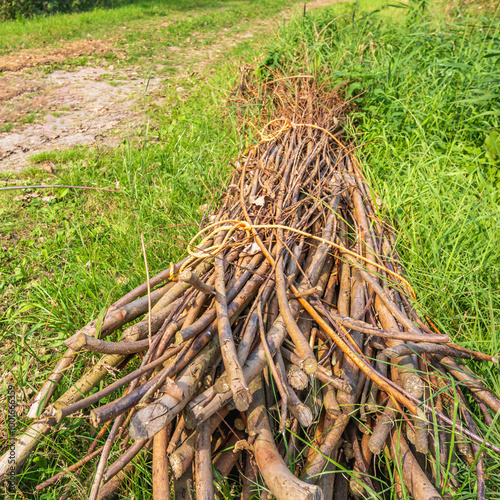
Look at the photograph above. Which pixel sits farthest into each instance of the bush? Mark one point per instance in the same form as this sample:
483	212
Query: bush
14	9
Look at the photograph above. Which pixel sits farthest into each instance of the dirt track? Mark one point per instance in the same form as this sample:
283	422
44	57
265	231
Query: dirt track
92	104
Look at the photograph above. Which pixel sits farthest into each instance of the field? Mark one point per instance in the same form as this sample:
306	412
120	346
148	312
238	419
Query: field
424	79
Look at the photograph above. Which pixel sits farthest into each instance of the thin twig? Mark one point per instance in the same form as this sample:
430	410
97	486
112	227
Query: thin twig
47	186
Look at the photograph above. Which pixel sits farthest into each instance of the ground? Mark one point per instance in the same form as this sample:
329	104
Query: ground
86	92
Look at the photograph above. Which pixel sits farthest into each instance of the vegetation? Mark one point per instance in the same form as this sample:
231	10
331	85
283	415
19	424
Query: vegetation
426	122
12	9
425	88
156	24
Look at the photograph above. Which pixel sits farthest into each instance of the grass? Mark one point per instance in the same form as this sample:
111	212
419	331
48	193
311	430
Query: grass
426	92
129	22
6	127
64	255
427	122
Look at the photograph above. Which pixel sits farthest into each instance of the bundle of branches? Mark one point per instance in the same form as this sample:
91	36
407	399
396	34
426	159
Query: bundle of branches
284	349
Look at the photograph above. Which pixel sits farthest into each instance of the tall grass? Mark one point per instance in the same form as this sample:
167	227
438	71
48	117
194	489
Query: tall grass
426	121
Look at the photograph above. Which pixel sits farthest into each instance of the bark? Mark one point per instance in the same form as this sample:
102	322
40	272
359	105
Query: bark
192	279
150	420
381	431
181	459
316	465
161	482
413	477
471	381
236	379
278	478
423	347
204	477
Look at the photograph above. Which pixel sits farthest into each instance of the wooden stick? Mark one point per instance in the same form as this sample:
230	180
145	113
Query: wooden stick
414	478
363	327
315	467
237	382
381	431
349	366
424	347
203	469
249	479
194	280
71	468
96	397
282	483
154	417
303	347
298	409
104	457
161	482
466	376
321	374
365	367
129	455
109	491
182	457
225	461
296	377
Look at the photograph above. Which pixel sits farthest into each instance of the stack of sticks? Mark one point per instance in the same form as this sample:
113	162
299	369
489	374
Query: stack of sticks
284	355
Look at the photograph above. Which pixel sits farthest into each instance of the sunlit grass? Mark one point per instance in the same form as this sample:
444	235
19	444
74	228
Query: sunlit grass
129	19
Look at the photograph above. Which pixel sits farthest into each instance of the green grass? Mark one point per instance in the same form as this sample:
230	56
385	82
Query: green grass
127	21
66	254
426	93
6	127
427	97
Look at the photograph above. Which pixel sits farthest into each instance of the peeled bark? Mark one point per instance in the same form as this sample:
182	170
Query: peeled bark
150	420
161	482
236	379
203	469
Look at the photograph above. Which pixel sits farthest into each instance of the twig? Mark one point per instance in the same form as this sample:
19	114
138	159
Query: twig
47	186
148	285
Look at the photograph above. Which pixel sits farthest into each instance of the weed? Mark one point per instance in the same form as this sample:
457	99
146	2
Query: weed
6	127
28	118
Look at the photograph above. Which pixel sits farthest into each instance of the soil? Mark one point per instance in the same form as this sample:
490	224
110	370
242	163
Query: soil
71	50
98	104
69	108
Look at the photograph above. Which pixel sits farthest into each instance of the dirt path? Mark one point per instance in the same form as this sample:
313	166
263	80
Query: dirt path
71	108
94	104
